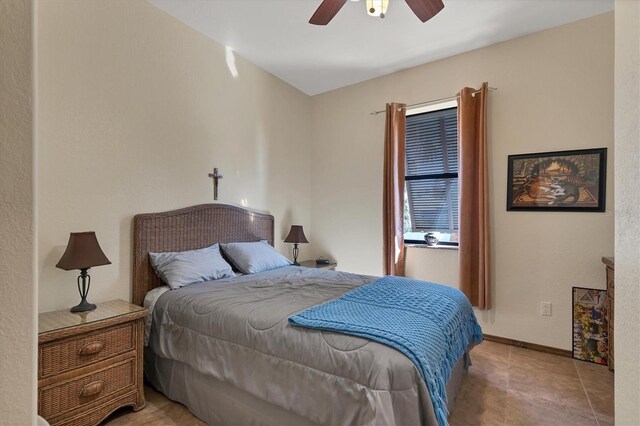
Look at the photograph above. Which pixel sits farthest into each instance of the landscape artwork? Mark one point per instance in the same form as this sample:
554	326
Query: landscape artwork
558	181
590	340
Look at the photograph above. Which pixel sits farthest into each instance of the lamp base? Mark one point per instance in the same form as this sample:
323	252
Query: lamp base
83	306
296	250
84	281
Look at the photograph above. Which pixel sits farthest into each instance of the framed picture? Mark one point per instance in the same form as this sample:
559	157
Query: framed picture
558	181
590	339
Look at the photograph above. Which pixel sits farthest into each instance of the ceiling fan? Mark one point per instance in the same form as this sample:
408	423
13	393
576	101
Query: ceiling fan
424	9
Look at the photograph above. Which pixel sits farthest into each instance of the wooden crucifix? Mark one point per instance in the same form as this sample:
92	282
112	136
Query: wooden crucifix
215	176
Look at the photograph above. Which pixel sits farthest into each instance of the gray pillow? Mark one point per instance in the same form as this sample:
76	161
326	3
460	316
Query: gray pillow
251	258
179	269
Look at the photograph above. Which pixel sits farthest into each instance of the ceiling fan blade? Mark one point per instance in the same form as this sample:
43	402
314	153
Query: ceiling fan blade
425	9
326	11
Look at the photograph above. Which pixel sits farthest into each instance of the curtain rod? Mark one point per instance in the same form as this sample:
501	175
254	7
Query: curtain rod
436	101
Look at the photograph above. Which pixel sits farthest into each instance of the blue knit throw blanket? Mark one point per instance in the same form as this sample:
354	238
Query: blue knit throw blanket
431	324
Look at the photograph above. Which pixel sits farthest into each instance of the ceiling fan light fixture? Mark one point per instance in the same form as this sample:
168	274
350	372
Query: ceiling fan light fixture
423	9
377	7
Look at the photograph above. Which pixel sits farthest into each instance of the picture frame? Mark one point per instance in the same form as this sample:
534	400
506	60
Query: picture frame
558	181
590	340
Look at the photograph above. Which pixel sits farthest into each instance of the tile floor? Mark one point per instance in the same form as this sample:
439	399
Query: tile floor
505	386
514	386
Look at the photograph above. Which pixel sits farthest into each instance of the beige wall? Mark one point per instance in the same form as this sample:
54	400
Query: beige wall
135	109
627	145
18	301
555	92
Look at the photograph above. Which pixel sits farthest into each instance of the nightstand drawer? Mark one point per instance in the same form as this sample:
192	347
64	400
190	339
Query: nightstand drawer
65	355
60	398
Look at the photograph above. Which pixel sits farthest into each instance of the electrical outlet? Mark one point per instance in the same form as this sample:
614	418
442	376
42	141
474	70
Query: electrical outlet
545	309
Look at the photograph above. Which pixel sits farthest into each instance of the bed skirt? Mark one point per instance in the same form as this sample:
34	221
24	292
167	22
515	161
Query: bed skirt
220	403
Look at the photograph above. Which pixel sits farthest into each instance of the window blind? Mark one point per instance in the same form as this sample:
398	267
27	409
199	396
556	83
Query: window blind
432	170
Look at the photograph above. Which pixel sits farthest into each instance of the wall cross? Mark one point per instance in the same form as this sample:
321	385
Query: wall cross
215	176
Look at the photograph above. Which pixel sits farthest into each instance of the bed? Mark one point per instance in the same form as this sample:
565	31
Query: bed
226	350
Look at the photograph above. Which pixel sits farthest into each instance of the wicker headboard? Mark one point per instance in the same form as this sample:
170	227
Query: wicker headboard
188	229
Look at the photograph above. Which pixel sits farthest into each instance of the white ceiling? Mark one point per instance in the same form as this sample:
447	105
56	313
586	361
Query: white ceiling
354	47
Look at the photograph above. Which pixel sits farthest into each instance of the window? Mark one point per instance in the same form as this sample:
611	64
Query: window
431	181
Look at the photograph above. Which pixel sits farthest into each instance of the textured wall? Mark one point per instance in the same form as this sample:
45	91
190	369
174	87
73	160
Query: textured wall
555	92
17	303
627	145
135	109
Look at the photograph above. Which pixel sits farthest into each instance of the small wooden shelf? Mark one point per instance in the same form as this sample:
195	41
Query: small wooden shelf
610	264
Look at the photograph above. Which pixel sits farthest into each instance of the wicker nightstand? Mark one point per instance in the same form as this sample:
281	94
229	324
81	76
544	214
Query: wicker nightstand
312	264
90	363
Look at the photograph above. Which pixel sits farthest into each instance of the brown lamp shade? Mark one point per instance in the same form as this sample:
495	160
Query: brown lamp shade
296	235
83	252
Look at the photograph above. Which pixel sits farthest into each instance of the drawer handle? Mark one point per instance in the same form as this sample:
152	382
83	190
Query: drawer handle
91	348
91	389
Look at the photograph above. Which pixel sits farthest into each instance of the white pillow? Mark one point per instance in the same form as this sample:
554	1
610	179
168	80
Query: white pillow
251	258
179	269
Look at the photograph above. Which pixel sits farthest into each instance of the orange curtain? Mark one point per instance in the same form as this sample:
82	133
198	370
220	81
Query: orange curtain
474	244
393	190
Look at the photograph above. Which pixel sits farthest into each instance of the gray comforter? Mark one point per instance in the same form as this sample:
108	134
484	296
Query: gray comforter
235	331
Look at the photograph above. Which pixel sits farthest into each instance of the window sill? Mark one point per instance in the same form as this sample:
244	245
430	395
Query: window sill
436	247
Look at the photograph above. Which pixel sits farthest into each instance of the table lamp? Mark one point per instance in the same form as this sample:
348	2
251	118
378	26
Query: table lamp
296	236
83	252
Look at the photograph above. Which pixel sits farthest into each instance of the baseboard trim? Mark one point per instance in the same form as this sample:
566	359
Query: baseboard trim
526	345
